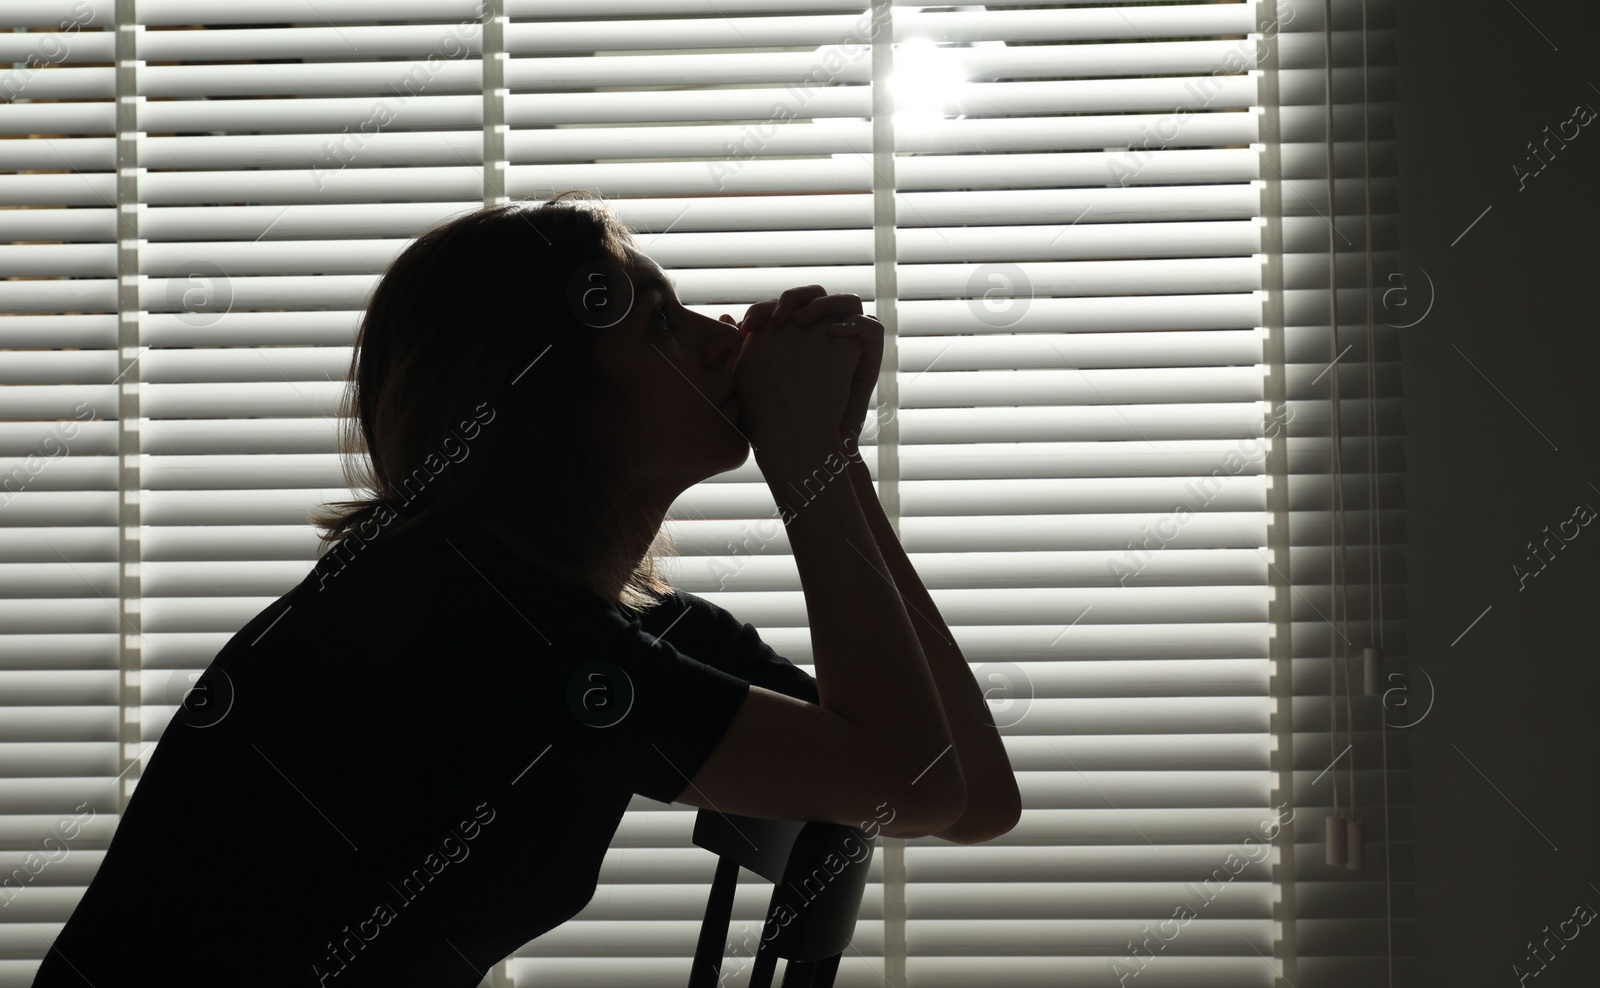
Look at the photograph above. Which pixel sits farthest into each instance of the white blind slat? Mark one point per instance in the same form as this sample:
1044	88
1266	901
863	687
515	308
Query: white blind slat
1095	299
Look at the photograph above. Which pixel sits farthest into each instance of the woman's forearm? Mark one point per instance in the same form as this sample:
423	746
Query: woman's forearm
869	668
993	801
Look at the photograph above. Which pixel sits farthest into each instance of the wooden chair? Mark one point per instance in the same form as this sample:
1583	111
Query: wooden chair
818	872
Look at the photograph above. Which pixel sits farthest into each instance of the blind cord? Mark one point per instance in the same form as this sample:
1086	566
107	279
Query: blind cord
1374	541
1333	391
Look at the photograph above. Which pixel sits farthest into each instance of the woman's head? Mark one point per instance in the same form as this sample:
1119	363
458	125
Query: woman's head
483	380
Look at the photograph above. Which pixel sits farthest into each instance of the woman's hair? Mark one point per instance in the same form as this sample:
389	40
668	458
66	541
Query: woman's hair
474	387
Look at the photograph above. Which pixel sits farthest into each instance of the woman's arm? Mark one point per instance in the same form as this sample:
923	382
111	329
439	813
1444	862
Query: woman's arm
993	802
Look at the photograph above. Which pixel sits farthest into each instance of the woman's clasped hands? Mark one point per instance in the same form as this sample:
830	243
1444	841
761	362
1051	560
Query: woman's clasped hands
807	368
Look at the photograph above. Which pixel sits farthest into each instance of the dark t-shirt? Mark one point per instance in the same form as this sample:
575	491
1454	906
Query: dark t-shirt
403	770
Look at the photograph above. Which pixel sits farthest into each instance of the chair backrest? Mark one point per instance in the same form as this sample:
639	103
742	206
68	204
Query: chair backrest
818	872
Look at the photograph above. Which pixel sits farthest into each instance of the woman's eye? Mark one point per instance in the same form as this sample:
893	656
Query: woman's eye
661	317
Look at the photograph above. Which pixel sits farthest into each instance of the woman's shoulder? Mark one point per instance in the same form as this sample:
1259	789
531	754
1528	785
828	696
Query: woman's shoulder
710	633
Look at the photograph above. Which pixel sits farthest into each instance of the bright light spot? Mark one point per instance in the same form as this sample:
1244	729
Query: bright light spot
926	80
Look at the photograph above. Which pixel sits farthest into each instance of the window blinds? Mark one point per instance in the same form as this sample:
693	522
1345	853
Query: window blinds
1099	237
1332	139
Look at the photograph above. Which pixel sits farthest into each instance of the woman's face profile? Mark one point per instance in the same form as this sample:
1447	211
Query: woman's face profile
675	424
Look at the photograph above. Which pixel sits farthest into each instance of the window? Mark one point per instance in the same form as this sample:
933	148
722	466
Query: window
1101	237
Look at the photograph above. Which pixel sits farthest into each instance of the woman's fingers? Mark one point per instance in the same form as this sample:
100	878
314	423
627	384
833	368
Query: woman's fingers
841	304
796	299
867	327
756	316
801	306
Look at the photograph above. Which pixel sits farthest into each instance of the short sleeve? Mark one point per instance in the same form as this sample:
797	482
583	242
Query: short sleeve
575	681
718	638
625	708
